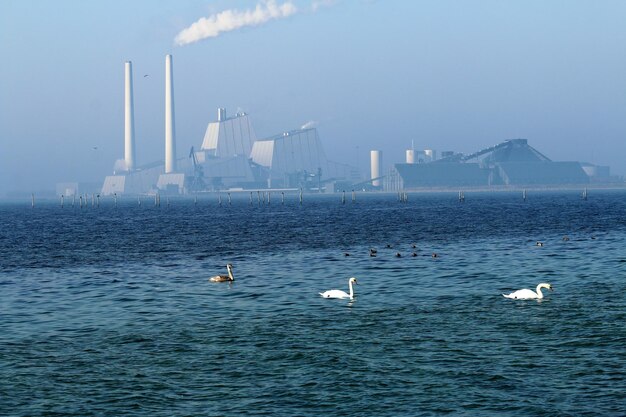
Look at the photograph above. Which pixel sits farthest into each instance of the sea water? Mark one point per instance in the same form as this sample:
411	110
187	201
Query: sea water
108	310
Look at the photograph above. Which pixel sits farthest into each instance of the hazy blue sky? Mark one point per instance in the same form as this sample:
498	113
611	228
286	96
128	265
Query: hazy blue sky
449	75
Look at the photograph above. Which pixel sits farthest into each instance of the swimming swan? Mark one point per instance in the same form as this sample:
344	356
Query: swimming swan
224	278
527	294
339	293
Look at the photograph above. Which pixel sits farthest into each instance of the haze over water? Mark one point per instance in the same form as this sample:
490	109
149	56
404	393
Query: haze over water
108	311
444	75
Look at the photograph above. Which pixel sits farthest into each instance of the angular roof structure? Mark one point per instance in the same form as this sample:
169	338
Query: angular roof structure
512	150
229	137
297	150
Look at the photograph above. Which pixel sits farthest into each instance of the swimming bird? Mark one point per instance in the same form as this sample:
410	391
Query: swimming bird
527	294
224	278
434	255
414	254
565	238
398	255
372	252
539	243
339	293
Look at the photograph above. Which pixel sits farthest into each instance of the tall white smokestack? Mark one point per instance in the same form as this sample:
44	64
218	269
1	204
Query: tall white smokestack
129	117
170	131
376	163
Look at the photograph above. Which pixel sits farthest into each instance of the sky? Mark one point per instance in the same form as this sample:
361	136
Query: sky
444	74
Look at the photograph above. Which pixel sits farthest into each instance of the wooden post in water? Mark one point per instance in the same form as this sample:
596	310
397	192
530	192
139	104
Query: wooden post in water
258	197
98	200
282	198
269	198
195	200
32	200
585	194
353	196
73	199
115	198
80	201
62	201
343	197
300	196
229	201
524	194
219	199
250	197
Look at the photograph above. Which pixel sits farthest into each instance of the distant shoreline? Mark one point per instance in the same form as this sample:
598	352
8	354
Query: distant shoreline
48	196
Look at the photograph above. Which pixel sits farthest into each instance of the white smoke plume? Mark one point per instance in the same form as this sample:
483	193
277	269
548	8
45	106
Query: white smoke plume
120	166
309	124
233	19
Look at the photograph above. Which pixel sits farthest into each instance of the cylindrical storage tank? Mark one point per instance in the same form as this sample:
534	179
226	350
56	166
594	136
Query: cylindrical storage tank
221	114
376	161
410	156
431	154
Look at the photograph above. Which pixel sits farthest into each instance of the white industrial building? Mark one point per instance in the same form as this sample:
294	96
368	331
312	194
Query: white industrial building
297	157
230	156
228	136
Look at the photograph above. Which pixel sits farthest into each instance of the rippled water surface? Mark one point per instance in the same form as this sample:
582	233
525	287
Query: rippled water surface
108	310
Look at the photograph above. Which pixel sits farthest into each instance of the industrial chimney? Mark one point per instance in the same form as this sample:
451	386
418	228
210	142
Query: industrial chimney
170	131
376	161
129	117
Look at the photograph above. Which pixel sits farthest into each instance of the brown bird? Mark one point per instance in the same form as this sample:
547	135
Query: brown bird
224	278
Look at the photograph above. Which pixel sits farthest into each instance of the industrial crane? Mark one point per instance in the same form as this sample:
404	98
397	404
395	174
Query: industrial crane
196	182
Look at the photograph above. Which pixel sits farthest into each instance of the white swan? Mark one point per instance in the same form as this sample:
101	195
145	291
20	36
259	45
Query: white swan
224	278
527	294
339	293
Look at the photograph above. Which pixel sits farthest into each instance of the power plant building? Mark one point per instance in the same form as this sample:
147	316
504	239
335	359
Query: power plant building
510	163
291	157
297	157
228	137
230	156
